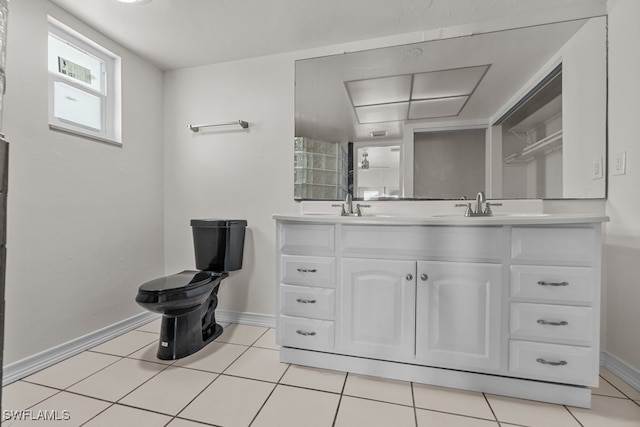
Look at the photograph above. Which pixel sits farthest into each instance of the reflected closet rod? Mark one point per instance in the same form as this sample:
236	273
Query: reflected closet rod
241	123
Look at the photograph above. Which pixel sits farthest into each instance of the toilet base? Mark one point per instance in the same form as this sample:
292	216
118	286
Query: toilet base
185	334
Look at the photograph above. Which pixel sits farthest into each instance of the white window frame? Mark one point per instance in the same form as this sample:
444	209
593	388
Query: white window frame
110	96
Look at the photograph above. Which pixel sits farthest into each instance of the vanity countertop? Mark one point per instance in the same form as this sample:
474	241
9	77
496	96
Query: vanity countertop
447	219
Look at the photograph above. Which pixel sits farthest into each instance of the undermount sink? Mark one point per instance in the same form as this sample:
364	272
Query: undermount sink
494	215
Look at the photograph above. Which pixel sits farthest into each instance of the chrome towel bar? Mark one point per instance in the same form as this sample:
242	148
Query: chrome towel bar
241	123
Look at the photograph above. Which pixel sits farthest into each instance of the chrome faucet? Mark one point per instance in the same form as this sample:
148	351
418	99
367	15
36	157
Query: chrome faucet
346	209
348	201
480	199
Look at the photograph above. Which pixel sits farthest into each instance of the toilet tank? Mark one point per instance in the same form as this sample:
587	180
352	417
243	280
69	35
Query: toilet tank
218	243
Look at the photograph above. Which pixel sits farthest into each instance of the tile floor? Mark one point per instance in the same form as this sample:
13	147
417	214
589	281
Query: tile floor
238	381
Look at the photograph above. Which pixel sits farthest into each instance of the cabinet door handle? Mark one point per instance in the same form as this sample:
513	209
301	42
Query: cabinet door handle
305	333
543	283
408	277
307	270
312	301
424	277
546	362
552	323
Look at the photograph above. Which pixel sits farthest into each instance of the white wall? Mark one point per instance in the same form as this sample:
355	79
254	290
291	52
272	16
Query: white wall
85	219
623	204
230	173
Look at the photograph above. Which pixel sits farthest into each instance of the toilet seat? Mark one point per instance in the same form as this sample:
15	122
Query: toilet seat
183	281
179	291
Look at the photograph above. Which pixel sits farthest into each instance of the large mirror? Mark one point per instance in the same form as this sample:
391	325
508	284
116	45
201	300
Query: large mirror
517	114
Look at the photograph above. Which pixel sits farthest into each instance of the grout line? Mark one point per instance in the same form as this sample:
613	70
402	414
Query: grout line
99	413
197	395
486	399
344	384
80	380
263	405
573	415
612	385
413	399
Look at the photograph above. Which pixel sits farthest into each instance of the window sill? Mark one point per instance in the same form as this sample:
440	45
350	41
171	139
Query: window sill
85	135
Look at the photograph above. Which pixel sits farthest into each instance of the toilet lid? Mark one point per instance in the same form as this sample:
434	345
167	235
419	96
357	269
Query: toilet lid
183	281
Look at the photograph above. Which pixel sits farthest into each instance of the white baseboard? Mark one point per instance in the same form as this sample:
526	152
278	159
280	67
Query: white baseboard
253	319
32	364
622	369
44	359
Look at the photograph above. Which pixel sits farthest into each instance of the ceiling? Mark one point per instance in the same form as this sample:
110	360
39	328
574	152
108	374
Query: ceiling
176	34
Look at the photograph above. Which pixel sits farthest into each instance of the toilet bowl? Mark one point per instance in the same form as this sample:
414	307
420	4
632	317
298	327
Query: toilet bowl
187	300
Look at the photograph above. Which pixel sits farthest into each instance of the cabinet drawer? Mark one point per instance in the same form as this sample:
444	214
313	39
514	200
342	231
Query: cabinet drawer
306	333
553	362
572	246
552	322
302	301
570	284
307	239
309	271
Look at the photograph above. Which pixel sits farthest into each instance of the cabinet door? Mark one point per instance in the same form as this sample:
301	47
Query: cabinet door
458	321
378	310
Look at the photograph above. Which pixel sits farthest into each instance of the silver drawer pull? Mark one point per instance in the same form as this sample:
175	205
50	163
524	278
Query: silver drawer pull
546	362
306	301
307	270
551	323
305	333
543	283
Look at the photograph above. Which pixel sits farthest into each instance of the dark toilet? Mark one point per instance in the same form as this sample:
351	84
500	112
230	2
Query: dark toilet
187	300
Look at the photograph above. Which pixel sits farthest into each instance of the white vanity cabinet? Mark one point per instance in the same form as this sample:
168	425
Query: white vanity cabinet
502	308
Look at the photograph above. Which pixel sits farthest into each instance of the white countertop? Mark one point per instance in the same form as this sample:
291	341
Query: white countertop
447	219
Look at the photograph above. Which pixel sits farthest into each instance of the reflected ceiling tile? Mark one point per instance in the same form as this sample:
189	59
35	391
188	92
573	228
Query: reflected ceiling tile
379	91
443	107
445	83
382	113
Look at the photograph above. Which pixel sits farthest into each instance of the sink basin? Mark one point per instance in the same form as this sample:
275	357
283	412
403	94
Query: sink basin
513	215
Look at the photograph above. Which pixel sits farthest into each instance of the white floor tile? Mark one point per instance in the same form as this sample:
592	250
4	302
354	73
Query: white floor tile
117	380
215	357
153	326
268	340
177	422
80	408
609	412
123	416
606	389
294	407
126	344
21	395
229	402
431	418
318	379
392	391
258	363
169	391
451	400
361	412
631	392
530	413
241	334
149	353
72	370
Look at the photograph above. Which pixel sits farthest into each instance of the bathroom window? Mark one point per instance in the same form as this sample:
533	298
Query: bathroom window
83	85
